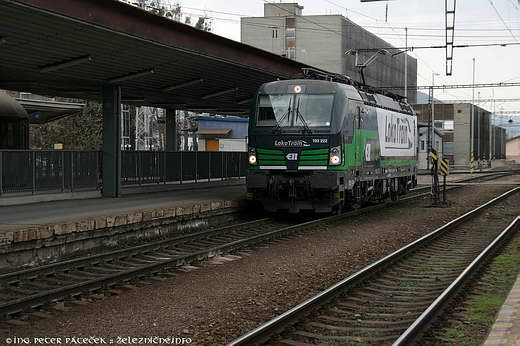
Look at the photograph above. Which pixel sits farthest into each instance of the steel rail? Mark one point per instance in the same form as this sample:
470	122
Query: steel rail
16	306
94	259
429	314
492	175
264	332
33	301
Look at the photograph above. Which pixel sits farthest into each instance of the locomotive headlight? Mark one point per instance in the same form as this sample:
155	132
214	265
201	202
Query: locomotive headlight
252	156
335	156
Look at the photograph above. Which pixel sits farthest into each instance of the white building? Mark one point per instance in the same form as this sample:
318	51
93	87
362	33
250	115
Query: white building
423	129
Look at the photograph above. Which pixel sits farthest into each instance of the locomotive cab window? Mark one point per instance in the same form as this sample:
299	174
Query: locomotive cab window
295	110
274	110
313	110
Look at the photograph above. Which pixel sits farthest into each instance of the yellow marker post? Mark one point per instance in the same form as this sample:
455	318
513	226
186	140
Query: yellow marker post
444	167
445	171
472	163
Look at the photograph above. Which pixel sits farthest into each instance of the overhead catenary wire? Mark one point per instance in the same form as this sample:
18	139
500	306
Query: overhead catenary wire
406	48
318	27
476	22
309	29
353	11
480	29
502	20
329	28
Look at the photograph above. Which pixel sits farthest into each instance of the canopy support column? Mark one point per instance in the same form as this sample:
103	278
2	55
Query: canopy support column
171	130
111	141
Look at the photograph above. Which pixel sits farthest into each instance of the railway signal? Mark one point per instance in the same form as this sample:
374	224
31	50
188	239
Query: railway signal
445	171
435	178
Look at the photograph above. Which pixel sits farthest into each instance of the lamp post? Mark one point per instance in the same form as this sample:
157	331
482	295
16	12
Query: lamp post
406	65
472	119
492	131
433	112
431	126
479	137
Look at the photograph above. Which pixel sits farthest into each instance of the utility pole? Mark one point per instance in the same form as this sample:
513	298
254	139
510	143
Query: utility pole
472	120
492	131
433	112
428	140
405	64
479	116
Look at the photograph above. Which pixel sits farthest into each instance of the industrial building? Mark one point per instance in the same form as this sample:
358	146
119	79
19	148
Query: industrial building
218	133
454	121
323	41
513	149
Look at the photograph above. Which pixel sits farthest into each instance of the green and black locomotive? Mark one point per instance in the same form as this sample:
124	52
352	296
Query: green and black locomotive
322	145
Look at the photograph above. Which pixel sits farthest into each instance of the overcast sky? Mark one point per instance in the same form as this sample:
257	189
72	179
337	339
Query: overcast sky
476	22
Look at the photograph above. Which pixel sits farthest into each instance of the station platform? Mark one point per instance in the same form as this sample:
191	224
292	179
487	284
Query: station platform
506	330
39	225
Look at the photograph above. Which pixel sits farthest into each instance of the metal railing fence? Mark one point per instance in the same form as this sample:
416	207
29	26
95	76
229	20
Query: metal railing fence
41	171
156	167
48	170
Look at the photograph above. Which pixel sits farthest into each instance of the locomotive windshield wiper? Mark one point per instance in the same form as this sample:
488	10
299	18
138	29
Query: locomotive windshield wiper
279	123
306	127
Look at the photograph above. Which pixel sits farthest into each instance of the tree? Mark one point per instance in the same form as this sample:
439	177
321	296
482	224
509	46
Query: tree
82	131
204	23
174	12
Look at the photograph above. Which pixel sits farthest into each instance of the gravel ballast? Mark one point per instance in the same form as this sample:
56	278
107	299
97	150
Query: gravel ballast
218	302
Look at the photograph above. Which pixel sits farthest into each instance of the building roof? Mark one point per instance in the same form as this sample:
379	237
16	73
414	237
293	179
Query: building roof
513	138
233	119
213	132
43	111
72	48
423	98
424	125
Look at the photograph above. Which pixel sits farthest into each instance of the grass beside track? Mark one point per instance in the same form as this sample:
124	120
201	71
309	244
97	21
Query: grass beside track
469	323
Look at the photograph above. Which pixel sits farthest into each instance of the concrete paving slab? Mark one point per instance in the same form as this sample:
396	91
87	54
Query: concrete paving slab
36	232
506	330
38	214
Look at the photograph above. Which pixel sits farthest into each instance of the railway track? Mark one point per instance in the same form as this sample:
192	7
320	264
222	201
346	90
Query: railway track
393	300
30	290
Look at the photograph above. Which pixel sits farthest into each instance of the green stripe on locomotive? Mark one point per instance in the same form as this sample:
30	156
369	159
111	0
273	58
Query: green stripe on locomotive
353	155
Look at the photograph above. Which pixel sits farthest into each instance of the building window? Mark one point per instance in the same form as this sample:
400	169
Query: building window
448	148
275	33
422	145
290	37
449	125
291	53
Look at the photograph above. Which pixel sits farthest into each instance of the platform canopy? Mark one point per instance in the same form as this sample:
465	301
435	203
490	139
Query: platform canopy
44	111
71	48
